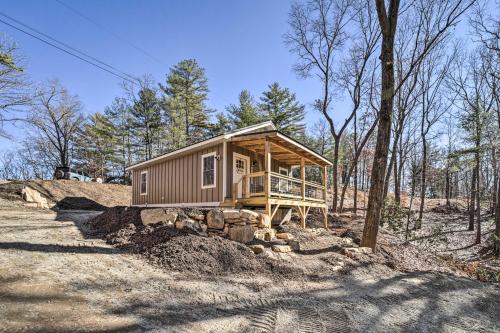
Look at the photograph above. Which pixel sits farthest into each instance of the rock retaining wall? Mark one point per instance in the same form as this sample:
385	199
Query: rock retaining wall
241	225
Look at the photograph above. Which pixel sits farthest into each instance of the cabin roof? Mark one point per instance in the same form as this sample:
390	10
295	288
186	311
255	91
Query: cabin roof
248	137
283	148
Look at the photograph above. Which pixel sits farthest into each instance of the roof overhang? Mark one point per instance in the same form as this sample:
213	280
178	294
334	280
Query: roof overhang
283	148
257	128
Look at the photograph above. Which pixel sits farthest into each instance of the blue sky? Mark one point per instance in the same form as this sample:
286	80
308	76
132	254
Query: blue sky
239	43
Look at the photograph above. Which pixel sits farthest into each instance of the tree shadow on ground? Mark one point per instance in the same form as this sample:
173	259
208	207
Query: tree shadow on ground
350	305
56	248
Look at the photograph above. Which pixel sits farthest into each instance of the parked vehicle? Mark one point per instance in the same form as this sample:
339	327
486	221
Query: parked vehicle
71	174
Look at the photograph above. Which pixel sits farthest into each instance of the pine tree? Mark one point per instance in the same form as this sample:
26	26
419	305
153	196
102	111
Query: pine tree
96	145
281	107
246	113
222	125
185	96
119	114
146	120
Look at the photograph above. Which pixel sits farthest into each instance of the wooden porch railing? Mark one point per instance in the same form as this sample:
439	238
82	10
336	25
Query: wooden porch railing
281	186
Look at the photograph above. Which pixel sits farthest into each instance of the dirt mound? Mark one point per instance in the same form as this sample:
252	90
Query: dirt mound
182	250
67	194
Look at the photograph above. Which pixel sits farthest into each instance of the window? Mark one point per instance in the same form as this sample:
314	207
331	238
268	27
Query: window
208	173
144	183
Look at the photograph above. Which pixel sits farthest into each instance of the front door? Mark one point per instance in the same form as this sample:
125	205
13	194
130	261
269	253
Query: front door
241	166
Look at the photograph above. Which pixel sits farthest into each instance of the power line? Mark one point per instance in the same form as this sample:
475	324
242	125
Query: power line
67	46
109	31
133	80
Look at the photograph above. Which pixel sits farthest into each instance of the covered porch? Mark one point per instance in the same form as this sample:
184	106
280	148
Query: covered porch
286	187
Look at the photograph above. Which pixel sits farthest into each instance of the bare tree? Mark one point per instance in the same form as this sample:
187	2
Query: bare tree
317	34
438	17
56	116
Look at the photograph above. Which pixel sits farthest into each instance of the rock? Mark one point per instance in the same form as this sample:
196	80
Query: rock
365	250
265	234
215	219
180	224
234	221
226	230
295	245
242	234
249	214
231	214
264	221
352	252
31	195
257	248
196	215
281	248
157	215
284	235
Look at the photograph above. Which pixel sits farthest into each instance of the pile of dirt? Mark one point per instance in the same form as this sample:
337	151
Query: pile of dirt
183	250
68	194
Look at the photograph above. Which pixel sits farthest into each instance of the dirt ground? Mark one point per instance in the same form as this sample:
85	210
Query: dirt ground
69	194
56	278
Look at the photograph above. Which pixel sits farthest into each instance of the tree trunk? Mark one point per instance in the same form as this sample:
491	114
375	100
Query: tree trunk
423	184
375	199
478	199
355	187
447	185
472	204
335	172
497	220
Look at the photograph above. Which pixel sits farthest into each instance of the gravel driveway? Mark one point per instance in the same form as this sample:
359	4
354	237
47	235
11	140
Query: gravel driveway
54	279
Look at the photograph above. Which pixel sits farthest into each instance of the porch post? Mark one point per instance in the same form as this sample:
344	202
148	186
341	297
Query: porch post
303	191
325	181
267	174
303	178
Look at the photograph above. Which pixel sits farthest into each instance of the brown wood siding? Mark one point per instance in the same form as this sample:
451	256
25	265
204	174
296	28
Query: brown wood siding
178	180
253	157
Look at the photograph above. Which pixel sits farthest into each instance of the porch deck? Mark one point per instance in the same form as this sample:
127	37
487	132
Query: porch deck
272	190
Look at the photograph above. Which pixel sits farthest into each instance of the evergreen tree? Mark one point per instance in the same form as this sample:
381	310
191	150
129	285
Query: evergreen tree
96	145
146	120
281	107
246	113
185	96
222	125
119	114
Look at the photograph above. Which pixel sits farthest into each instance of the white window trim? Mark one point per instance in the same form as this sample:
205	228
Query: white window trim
140	183
214	154
284	169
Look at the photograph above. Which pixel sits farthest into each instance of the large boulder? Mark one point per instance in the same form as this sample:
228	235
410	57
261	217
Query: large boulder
242	234
264	221
284	235
266	234
33	196
231	214
249	214
215	219
157	215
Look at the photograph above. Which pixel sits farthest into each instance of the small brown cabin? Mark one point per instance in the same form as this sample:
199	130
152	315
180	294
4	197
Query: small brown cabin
255	167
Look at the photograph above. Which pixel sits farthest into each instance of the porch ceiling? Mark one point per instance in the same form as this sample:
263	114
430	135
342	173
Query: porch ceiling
283	149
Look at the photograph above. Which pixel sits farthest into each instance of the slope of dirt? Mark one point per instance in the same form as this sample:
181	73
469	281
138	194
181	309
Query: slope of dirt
67	194
184	251
54	278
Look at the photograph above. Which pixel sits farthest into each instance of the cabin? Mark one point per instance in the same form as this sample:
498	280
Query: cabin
255	167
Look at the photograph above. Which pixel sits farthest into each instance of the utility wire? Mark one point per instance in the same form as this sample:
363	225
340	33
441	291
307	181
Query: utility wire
109	31
66	45
125	76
